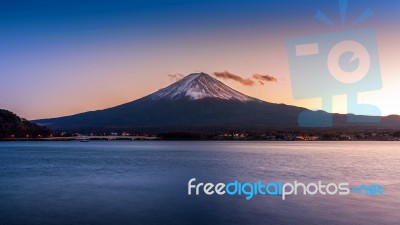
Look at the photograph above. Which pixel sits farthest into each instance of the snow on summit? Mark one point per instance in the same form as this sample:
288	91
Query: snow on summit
197	86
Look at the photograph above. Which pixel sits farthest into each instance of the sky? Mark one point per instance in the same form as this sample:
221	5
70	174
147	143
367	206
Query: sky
59	58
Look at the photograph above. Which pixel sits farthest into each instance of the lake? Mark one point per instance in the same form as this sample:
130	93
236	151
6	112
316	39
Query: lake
146	182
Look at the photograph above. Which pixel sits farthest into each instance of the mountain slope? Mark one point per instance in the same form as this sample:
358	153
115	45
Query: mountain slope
12	126
196	102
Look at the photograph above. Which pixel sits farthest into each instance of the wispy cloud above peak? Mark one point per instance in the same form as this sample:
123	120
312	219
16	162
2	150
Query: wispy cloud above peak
230	76
256	78
175	76
266	77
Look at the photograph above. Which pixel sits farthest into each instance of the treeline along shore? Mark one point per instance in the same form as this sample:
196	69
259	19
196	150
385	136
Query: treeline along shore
15	128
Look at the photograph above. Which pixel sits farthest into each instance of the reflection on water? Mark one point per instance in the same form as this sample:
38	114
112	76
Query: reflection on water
146	182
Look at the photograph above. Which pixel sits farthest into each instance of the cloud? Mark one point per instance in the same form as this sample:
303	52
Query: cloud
175	76
230	76
267	78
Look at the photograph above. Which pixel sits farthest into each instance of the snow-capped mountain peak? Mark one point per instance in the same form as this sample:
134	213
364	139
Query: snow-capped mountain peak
198	86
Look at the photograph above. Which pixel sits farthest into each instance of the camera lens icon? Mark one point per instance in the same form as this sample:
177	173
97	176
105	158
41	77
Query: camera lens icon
341	63
348	61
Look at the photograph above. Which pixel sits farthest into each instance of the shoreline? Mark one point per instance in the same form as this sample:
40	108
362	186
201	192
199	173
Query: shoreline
185	140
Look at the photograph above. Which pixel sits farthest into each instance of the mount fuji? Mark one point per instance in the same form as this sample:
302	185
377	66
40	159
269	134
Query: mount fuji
197	86
197	102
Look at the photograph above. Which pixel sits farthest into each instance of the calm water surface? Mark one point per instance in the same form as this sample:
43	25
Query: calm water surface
146	182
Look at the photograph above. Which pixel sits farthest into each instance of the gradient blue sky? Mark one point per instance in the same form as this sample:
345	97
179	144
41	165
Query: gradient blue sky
64	57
